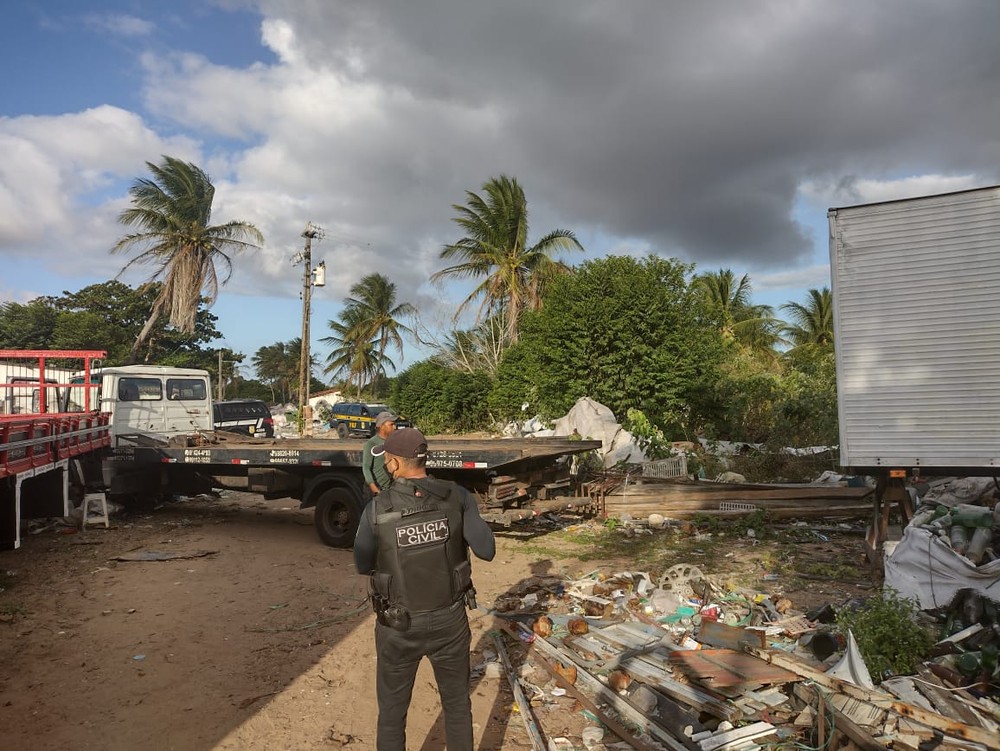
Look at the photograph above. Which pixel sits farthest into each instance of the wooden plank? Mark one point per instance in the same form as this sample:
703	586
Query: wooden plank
523	706
745	666
903	688
931	687
745	733
883	700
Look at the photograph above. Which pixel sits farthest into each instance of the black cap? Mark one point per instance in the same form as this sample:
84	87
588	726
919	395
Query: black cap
408	443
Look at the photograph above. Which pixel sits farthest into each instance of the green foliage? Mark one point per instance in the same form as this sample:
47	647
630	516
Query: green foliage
647	436
514	276
622	331
806	415
889	636
746	393
368	326
170	215
107	316
28	325
439	399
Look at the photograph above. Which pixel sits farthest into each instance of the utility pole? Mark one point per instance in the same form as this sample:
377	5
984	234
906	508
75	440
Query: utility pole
305	376
220	376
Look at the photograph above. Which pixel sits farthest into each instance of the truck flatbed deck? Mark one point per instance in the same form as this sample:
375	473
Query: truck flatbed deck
444	452
512	478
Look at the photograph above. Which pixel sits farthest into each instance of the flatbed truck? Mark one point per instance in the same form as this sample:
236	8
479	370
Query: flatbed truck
140	443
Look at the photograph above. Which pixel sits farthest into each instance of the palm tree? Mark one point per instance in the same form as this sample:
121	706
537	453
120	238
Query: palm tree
278	365
368	326
374	301
355	351
495	249
172	213
813	321
728	303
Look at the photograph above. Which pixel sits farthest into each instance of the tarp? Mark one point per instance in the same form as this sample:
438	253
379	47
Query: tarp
924	568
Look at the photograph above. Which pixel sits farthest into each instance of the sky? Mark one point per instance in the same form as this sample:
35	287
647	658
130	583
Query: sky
717	132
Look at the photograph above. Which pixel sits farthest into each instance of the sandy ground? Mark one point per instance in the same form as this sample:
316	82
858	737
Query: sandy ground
265	642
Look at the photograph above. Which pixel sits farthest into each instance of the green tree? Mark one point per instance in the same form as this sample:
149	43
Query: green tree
368	326
172	213
110	315
805	414
354	355
439	399
106	316
812	322
623	331
27	325
514	275
378	315
728	304
277	366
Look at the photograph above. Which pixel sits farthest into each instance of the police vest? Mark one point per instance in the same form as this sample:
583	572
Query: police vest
422	562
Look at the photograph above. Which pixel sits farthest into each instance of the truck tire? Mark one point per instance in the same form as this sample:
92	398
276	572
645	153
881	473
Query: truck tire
341	431
336	517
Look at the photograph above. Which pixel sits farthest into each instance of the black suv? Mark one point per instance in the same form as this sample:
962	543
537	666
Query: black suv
357	419
247	416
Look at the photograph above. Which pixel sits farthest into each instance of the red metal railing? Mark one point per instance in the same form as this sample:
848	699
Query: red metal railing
35	435
26	359
29	443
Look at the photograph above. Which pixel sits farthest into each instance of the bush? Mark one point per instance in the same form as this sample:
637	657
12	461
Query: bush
439	399
889	636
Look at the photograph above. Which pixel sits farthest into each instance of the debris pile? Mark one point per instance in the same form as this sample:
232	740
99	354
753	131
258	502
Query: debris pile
680	663
970	530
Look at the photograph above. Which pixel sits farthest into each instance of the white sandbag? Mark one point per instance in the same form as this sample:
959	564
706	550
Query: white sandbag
923	568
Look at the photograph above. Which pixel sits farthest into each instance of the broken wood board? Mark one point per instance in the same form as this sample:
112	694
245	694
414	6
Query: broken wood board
946	725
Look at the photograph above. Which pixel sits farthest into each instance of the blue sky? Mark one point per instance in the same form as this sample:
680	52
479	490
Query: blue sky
717	132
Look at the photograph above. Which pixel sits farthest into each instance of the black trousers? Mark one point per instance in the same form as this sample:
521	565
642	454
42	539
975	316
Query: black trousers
444	637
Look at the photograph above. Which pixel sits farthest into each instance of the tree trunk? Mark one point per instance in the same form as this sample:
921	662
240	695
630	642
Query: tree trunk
147	329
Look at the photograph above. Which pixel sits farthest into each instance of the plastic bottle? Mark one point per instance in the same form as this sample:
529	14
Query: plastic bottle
959	538
972	516
980	540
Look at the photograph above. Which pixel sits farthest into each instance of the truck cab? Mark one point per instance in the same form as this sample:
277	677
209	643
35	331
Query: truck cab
150	400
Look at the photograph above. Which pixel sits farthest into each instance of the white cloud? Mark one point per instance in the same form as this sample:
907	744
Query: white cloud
853	191
119	24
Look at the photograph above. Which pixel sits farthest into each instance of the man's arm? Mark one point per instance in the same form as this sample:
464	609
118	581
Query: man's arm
477	532
364	542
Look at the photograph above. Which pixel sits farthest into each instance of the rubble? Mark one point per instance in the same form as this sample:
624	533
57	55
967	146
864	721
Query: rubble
679	663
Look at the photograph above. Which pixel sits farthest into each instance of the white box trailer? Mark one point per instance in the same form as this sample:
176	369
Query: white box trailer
916	303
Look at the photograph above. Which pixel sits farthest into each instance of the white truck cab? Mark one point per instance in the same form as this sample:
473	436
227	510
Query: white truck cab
150	400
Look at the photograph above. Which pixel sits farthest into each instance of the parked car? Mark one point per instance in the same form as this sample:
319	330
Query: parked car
247	416
355	419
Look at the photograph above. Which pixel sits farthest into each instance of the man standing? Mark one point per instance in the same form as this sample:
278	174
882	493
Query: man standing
414	540
372	464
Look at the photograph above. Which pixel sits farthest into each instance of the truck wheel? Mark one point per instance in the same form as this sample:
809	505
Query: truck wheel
342	431
336	517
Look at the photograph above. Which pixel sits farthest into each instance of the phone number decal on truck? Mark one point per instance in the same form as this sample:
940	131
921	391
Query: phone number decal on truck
284	456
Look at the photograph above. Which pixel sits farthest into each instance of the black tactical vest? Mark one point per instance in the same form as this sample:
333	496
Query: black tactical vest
422	562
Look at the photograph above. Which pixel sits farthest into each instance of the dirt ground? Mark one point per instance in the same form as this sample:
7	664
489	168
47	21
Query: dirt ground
261	639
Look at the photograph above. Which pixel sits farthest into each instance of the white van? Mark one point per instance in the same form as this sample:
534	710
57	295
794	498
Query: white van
149	399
